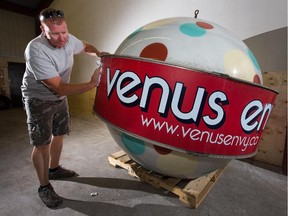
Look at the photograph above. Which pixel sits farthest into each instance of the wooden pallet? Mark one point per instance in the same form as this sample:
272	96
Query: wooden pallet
192	193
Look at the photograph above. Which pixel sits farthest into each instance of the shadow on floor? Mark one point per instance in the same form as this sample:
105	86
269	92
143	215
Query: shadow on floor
101	208
113	183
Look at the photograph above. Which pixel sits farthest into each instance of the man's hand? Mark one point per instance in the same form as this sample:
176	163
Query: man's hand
92	50
95	79
103	53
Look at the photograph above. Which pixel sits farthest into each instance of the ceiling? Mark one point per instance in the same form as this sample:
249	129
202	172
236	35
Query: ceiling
25	7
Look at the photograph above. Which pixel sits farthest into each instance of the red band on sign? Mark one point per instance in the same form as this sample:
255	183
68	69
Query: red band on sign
181	108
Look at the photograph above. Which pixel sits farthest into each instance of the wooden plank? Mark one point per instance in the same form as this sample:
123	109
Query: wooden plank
192	194
120	159
201	186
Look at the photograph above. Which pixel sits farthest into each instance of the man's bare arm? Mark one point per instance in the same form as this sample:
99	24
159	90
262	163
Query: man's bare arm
65	89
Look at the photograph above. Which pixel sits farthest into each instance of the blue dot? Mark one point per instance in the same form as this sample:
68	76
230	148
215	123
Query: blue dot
134	145
191	29
254	60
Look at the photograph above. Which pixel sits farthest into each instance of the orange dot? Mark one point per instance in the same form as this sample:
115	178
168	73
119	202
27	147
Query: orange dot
256	79
161	150
204	25
157	51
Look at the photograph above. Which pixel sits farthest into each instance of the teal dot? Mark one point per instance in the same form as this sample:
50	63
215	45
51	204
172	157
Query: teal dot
134	145
135	32
191	29
252	57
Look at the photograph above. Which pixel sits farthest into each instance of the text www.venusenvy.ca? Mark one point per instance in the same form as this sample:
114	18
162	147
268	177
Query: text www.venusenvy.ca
200	136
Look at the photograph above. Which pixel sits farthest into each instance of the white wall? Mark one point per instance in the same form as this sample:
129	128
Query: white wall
107	23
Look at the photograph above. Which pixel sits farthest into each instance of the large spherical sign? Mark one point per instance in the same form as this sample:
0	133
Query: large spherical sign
183	96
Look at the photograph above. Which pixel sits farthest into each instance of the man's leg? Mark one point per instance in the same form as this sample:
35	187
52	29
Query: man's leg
55	170
39	119
55	151
40	159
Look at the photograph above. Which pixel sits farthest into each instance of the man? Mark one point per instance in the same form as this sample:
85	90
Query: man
49	61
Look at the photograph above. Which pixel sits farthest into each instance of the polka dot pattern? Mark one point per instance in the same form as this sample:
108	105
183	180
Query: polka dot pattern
157	51
205	25
237	64
135	33
191	29
256	79
191	43
194	43
253	59
134	145
162	151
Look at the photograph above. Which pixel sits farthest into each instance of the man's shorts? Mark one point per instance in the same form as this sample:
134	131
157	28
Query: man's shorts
46	118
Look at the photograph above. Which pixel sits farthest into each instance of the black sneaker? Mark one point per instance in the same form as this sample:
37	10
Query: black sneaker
61	173
49	197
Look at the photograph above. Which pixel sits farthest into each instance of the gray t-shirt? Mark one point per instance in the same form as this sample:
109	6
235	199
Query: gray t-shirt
44	61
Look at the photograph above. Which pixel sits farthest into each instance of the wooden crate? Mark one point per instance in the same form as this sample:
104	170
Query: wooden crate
192	193
272	144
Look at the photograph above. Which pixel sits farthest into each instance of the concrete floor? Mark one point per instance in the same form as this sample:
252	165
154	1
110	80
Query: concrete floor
242	189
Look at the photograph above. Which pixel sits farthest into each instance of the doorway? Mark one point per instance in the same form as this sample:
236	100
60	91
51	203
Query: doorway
15	74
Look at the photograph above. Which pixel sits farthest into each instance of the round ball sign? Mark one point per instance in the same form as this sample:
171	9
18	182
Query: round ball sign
182	97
